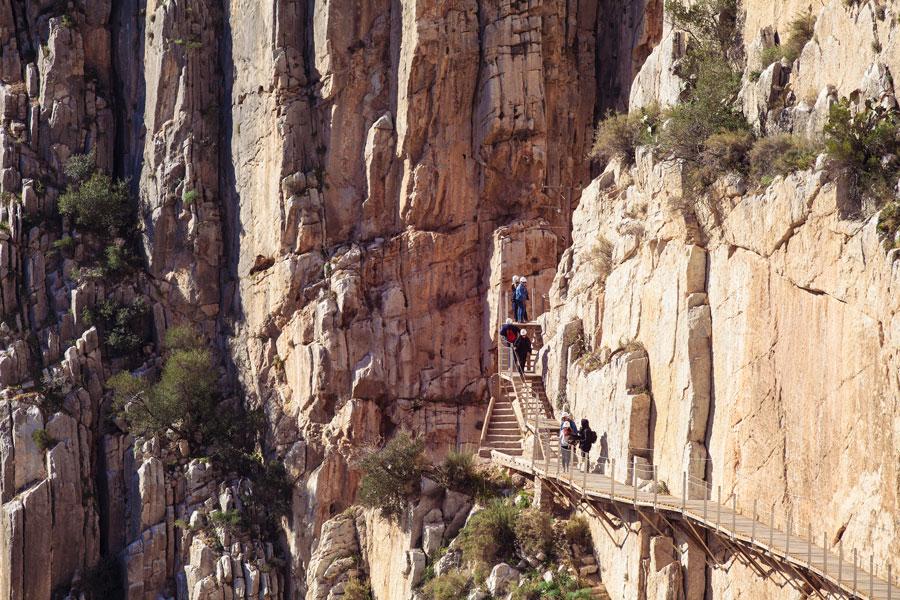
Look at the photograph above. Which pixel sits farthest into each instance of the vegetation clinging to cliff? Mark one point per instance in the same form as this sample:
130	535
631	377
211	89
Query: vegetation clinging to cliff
864	145
184	400
800	31
392	476
94	199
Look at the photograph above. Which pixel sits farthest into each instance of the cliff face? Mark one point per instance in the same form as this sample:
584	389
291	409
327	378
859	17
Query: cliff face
748	341
328	191
337	192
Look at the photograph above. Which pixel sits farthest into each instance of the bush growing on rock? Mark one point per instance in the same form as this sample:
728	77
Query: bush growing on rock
800	31
490	535
619	135
43	440
863	144
459	472
184	400
889	225
534	532
449	586
355	589
562	586
392	476
94	199
780	155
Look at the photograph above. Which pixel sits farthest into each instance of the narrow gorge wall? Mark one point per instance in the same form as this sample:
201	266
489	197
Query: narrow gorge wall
748	340
326	190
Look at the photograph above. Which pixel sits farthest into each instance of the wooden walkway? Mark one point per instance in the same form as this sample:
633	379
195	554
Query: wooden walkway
798	554
801	553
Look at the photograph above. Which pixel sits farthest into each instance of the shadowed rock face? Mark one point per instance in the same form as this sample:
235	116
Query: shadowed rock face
329	191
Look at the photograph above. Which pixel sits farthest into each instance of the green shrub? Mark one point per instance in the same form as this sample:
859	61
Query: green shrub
80	166
562	586
355	589
710	24
122	327
185	399
577	531
770	54
190	197
800	31
724	152
619	135
708	110
66	243
461	473
889	224
116	258
490	535
99	204
229	520
449	586
534	532
182	337
392	475
43	440
780	155
865	147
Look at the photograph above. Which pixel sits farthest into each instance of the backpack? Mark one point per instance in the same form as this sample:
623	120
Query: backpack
591	436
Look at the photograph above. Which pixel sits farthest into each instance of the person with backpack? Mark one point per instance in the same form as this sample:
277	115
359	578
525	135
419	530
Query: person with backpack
523	349
509	333
512	296
586	438
521	296
566	441
567	418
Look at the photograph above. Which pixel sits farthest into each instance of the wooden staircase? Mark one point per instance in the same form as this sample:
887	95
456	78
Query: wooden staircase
503	432
513	408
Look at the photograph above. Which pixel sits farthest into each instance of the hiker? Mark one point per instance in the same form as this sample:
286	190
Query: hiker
523	349
510	333
566	440
586	438
512	296
567	418
521	297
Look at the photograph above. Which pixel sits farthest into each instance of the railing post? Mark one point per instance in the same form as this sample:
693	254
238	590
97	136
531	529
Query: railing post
771	530
809	546
753	525
587	466
825	554
719	509
840	560
683	491
855	570
705	522
634	481
655	487
871	576
612	476
787	539
734	515
890	581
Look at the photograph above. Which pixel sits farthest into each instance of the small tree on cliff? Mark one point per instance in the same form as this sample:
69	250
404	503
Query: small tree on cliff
392	475
184	400
94	199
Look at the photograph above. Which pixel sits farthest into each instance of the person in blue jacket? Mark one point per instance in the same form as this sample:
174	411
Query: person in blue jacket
521	297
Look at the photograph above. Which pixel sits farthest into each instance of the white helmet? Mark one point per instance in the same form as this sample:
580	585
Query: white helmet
523	332
565	415
522	279
515	278
508	320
